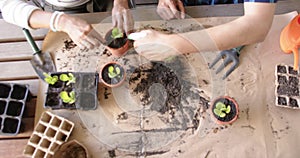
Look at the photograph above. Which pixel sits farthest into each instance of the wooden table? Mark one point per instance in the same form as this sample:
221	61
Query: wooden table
15	54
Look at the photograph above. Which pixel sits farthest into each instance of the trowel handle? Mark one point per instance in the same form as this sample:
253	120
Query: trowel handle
31	41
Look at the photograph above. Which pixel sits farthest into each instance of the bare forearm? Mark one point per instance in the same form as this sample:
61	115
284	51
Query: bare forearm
248	29
39	19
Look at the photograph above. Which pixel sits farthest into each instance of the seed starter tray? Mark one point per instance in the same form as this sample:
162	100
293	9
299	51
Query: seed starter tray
287	87
13	99
85	89
50	132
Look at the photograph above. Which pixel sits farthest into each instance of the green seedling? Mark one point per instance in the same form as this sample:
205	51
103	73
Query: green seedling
67	97
113	72
116	33
69	78
221	109
50	79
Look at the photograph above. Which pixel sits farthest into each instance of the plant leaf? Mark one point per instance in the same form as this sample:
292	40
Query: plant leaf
111	69
220	105
112	75
217	112
222	114
116	33
118	71
64	77
228	109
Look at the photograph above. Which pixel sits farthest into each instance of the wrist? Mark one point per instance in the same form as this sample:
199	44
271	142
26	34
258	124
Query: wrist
123	3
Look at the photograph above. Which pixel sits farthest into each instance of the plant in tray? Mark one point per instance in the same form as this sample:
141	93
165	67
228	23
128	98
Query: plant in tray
224	110
117	42
67	97
68	90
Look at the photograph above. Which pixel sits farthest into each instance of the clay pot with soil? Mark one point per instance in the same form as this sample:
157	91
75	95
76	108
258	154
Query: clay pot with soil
112	74
117	42
71	149
224	110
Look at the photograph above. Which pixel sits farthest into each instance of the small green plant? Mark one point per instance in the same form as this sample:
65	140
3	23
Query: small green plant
67	97
116	33
221	109
114	72
50	79
69	78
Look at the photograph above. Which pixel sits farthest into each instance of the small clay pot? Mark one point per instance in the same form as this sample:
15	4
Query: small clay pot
117	47
229	118
71	149
104	75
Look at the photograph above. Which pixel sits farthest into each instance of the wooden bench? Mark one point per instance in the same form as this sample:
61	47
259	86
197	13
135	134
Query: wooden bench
15	55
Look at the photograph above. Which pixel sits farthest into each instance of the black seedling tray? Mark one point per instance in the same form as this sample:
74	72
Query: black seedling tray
13	99
85	89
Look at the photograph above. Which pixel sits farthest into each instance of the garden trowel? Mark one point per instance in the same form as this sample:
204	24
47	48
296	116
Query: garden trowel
41	61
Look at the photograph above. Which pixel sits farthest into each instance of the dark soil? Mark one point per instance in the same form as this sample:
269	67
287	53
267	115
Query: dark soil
115	43
289	87
52	99
282	101
10	125
281	69
4	90
2	106
293	103
173	91
69	44
228	116
14	108
115	80
292	71
18	92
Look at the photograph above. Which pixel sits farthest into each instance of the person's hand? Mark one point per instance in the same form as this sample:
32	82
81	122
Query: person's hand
82	33
121	16
169	9
155	45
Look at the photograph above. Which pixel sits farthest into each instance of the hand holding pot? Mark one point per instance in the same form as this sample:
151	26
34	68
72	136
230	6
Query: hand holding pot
121	16
170	9
82	33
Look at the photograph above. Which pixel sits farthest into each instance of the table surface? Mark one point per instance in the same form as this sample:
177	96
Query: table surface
16	53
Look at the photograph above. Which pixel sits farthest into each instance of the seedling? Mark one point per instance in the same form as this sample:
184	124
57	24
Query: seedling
67	78
67	97
50	79
221	109
116	33
113	72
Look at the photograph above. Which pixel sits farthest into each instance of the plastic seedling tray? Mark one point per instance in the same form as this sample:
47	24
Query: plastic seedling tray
287	91
85	88
50	132
13	99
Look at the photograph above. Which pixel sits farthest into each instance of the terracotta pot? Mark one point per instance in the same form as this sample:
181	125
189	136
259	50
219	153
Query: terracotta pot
102	76
117	52
71	149
217	119
290	39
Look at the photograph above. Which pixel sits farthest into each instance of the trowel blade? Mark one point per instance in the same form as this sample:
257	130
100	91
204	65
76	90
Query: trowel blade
43	63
